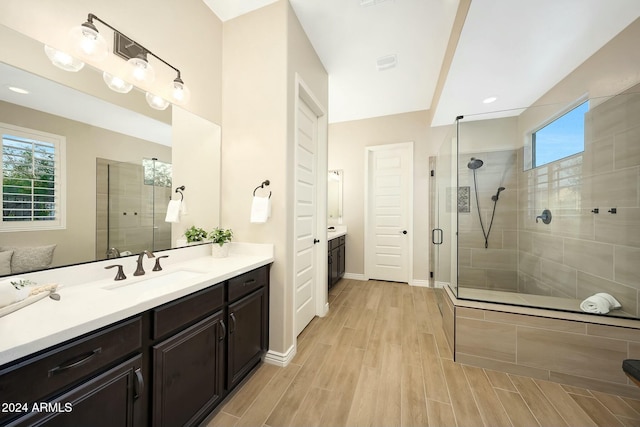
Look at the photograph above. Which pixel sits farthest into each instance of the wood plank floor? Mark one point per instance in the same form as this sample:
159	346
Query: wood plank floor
380	358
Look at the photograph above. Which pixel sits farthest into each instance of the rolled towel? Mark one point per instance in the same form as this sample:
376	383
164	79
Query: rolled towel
10	294
600	303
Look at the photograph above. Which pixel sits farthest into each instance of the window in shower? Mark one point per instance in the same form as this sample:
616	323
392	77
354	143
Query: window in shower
563	137
33	173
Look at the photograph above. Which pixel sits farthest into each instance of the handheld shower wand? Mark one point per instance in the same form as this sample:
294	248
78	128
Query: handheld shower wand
496	196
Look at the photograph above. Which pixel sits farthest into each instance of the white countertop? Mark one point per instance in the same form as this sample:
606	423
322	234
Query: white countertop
87	304
338	230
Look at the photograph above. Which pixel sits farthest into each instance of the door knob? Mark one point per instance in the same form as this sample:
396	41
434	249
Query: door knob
404	231
316	241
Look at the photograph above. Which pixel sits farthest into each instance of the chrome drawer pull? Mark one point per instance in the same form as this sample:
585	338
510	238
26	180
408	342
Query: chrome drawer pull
249	282
74	363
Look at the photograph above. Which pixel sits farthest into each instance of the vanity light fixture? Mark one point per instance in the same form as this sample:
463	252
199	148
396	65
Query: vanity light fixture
63	60
89	43
116	83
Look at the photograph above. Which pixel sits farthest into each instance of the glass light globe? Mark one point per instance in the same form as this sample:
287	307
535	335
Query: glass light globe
180	93
156	102
116	84
140	70
88	42
63	60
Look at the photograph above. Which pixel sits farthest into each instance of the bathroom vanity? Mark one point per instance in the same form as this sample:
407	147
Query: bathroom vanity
176	352
337	250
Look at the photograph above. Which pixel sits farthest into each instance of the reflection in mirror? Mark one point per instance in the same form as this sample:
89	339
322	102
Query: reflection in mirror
96	133
334	197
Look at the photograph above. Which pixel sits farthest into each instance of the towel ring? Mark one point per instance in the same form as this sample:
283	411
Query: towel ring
266	182
180	190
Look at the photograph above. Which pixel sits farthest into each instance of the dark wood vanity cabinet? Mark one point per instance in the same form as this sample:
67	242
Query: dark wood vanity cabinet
188	371
169	366
83	376
336	260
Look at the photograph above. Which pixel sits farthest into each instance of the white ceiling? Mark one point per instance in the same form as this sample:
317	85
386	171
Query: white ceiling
515	50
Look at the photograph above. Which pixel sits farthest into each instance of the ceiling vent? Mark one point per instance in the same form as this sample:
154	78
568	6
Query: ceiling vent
387	62
366	3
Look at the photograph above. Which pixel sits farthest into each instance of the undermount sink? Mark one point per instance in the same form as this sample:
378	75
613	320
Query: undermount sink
153	281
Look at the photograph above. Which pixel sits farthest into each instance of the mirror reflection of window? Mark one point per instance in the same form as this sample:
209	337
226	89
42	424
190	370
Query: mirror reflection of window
334	197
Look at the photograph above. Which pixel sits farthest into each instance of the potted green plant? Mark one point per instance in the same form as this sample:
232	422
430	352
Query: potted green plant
220	238
195	234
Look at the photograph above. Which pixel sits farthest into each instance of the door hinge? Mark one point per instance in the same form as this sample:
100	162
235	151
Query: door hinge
433	173
431	274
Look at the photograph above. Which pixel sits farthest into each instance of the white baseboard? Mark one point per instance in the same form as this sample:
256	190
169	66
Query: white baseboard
441	284
280	359
420	282
353	276
326	310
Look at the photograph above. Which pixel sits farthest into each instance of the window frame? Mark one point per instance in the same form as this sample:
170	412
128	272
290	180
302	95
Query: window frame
531	162
60	185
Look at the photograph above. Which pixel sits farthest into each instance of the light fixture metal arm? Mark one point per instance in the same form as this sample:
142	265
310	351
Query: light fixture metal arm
90	19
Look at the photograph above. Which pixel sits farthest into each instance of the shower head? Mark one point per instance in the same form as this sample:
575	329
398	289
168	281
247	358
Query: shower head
497	195
475	163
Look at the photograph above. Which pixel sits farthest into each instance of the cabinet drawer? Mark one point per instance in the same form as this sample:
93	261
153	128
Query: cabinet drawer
36	378
246	283
178	314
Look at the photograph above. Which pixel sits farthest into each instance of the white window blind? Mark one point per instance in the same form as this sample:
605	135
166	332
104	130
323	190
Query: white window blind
32	180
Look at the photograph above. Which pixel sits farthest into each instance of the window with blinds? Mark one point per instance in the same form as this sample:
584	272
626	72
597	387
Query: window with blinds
32	180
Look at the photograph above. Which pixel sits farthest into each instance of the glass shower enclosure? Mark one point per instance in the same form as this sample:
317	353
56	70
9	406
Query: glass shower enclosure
535	219
132	205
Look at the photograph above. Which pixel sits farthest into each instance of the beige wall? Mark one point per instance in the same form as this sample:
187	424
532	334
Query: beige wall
347	142
262	52
84	143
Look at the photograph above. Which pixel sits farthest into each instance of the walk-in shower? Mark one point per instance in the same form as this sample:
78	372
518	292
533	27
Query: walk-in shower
475	164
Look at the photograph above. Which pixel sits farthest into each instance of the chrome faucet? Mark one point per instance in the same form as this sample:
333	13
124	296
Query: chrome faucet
113	253
139	269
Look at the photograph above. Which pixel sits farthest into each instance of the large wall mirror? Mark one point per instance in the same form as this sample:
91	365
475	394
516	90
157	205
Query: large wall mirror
334	197
119	170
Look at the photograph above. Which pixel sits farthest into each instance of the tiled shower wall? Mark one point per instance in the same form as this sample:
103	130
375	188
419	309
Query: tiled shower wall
494	267
135	215
582	252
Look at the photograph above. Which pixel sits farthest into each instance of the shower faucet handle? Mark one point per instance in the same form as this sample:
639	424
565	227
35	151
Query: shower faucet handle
545	217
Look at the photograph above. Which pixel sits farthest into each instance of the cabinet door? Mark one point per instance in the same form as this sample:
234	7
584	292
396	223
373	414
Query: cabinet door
248	338
187	373
114	398
341	260
335	263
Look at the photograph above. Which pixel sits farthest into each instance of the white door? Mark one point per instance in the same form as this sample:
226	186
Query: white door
305	219
389	208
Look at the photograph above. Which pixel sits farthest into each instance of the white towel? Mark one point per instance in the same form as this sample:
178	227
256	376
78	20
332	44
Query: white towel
599	303
173	211
9	294
260	209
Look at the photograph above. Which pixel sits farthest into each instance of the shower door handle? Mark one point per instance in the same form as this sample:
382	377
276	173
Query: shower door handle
433	236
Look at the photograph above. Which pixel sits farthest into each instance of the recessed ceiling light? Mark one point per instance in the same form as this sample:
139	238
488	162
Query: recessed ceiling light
386	62
489	100
18	90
